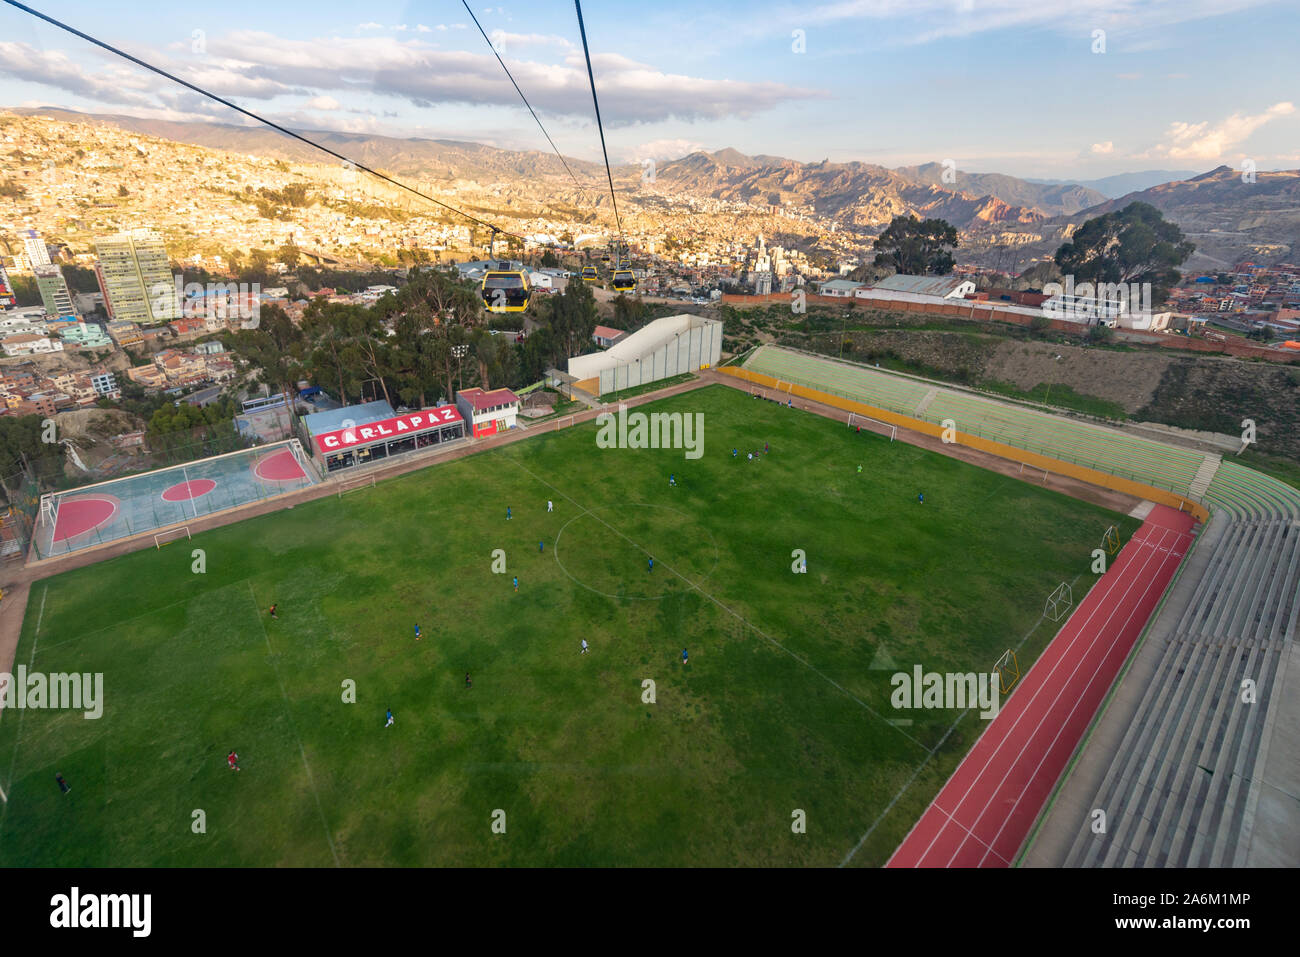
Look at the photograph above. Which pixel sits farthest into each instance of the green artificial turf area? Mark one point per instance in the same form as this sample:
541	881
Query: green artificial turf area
784	704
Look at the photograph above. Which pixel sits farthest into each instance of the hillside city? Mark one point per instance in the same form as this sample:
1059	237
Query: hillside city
93	217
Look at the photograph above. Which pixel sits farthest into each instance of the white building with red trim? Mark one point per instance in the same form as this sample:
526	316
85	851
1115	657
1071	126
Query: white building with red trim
488	412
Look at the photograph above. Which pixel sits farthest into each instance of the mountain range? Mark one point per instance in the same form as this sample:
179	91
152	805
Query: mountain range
1229	216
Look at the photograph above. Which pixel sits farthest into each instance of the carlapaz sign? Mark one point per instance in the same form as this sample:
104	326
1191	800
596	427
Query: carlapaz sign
395	427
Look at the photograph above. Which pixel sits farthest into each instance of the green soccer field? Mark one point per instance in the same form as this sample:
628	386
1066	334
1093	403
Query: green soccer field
552	757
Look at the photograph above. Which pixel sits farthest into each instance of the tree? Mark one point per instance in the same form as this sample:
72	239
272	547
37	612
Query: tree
550	260
629	312
917	248
275	350
1133	245
289	255
572	317
1100	333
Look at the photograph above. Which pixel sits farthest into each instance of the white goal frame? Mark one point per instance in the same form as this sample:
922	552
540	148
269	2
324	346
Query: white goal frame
171	531
893	429
352	485
1059	602
1025	465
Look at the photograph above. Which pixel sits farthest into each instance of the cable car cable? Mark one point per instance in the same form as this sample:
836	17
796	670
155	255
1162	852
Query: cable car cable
239	109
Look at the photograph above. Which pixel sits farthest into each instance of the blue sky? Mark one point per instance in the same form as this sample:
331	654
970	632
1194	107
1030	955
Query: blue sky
1025	87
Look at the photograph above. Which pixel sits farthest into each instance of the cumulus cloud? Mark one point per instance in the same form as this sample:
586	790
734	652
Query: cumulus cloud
1101	149
666	149
1206	141
630	92
328	73
22	61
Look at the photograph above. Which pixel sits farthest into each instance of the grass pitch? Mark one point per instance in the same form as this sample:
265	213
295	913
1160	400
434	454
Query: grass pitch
778	710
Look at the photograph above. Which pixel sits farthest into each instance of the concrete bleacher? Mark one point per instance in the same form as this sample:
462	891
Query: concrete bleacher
895	393
1188	770
1082	443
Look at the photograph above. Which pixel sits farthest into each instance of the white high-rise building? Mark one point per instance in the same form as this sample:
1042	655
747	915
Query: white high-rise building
34	246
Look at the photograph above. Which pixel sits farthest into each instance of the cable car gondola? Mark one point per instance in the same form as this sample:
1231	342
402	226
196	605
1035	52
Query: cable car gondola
589	274
505	289
624	281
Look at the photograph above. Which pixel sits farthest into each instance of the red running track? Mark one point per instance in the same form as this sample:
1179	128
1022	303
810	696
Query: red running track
985	811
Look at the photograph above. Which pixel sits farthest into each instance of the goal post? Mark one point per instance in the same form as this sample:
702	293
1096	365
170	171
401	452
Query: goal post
884	426
49	509
1025	465
171	535
1110	540
1059	602
352	485
1008	670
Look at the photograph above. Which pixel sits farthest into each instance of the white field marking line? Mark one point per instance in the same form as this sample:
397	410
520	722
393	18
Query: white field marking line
127	621
1130	582
292	727
18	733
1063	656
605	594
901	791
738	617
1059	658
1020	644
1052	744
1152	552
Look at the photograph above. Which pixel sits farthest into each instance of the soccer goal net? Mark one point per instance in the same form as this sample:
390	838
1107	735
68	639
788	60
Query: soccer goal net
1110	541
48	509
884	428
1059	602
1033	470
171	535
351	485
1008	670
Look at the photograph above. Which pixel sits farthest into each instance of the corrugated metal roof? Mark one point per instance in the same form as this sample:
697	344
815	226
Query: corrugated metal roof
319	423
922	285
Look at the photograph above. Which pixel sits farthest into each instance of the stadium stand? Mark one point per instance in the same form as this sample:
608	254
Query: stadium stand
1192	783
1081	443
1192	759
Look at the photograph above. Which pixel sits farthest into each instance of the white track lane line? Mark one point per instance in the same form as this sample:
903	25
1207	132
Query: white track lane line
1056	663
1167	553
1130	581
